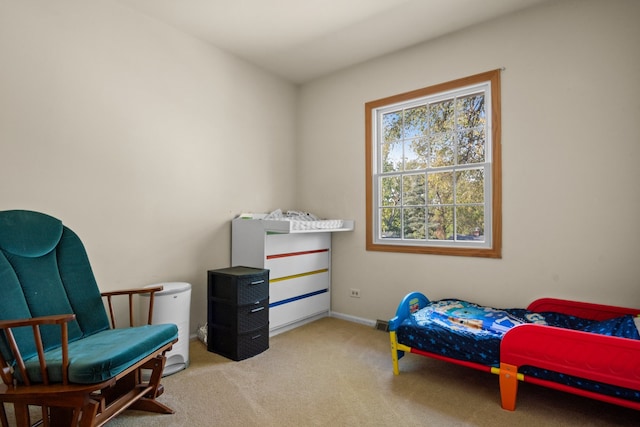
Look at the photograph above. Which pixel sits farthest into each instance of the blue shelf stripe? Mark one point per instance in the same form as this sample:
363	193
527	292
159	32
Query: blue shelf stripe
299	297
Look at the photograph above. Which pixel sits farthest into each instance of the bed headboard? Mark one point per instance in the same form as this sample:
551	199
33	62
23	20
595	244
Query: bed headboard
411	303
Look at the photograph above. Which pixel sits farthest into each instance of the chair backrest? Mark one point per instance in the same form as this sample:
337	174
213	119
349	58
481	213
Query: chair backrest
44	270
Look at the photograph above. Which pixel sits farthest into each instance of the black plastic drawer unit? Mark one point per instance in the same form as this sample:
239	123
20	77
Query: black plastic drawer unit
238	311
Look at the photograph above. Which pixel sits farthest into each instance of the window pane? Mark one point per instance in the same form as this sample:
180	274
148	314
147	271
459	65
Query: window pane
471	147
470	186
440	187
392	126
471	113
414	223
391	156
415	121
390	223
416	152
413	190
441	115
390	191
470	223
440	222
442	150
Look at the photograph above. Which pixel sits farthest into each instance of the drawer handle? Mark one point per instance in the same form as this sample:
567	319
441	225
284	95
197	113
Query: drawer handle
256	336
255	310
257	282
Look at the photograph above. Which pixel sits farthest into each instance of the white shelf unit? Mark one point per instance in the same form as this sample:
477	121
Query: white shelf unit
299	264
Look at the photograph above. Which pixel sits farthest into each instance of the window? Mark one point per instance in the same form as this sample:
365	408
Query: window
433	169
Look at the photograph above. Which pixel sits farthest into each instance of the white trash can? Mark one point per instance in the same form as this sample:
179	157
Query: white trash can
171	305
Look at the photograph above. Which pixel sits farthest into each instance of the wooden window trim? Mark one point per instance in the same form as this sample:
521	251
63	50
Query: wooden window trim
495	251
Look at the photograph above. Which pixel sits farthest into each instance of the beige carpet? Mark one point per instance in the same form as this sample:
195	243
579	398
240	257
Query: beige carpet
337	373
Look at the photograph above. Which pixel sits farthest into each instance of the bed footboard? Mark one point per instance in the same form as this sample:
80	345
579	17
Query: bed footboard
585	310
600	358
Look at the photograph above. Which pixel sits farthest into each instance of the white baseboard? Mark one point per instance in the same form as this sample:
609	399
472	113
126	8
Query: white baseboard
348	317
355	319
293	325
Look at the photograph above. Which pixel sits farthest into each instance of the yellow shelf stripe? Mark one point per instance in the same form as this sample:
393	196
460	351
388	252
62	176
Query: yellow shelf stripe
295	276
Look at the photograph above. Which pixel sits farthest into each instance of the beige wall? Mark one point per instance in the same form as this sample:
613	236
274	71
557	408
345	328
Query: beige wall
143	140
147	142
570	110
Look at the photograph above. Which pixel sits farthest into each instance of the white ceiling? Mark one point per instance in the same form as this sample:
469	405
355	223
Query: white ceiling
304	39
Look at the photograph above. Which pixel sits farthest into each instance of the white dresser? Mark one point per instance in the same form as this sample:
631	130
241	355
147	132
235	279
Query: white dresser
299	264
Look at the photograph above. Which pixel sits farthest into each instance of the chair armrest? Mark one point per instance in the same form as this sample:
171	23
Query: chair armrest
6	371
130	293
55	319
133	291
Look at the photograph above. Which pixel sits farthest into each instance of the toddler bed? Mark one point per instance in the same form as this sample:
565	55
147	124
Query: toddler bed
587	349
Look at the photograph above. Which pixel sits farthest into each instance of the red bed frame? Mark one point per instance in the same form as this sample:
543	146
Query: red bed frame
601	358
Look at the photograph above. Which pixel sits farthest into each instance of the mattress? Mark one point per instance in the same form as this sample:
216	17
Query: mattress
466	331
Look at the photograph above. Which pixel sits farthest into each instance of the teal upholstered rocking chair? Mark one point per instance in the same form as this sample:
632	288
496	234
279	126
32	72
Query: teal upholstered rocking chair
58	350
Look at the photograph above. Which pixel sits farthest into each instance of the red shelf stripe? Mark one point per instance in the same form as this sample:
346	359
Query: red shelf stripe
297	253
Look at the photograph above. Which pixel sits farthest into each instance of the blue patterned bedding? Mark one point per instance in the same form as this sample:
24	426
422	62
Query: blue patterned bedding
466	331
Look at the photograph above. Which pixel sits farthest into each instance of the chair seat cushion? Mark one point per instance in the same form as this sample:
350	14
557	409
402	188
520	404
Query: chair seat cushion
103	355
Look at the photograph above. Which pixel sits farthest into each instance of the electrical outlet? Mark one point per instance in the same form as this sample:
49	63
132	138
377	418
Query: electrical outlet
355	293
